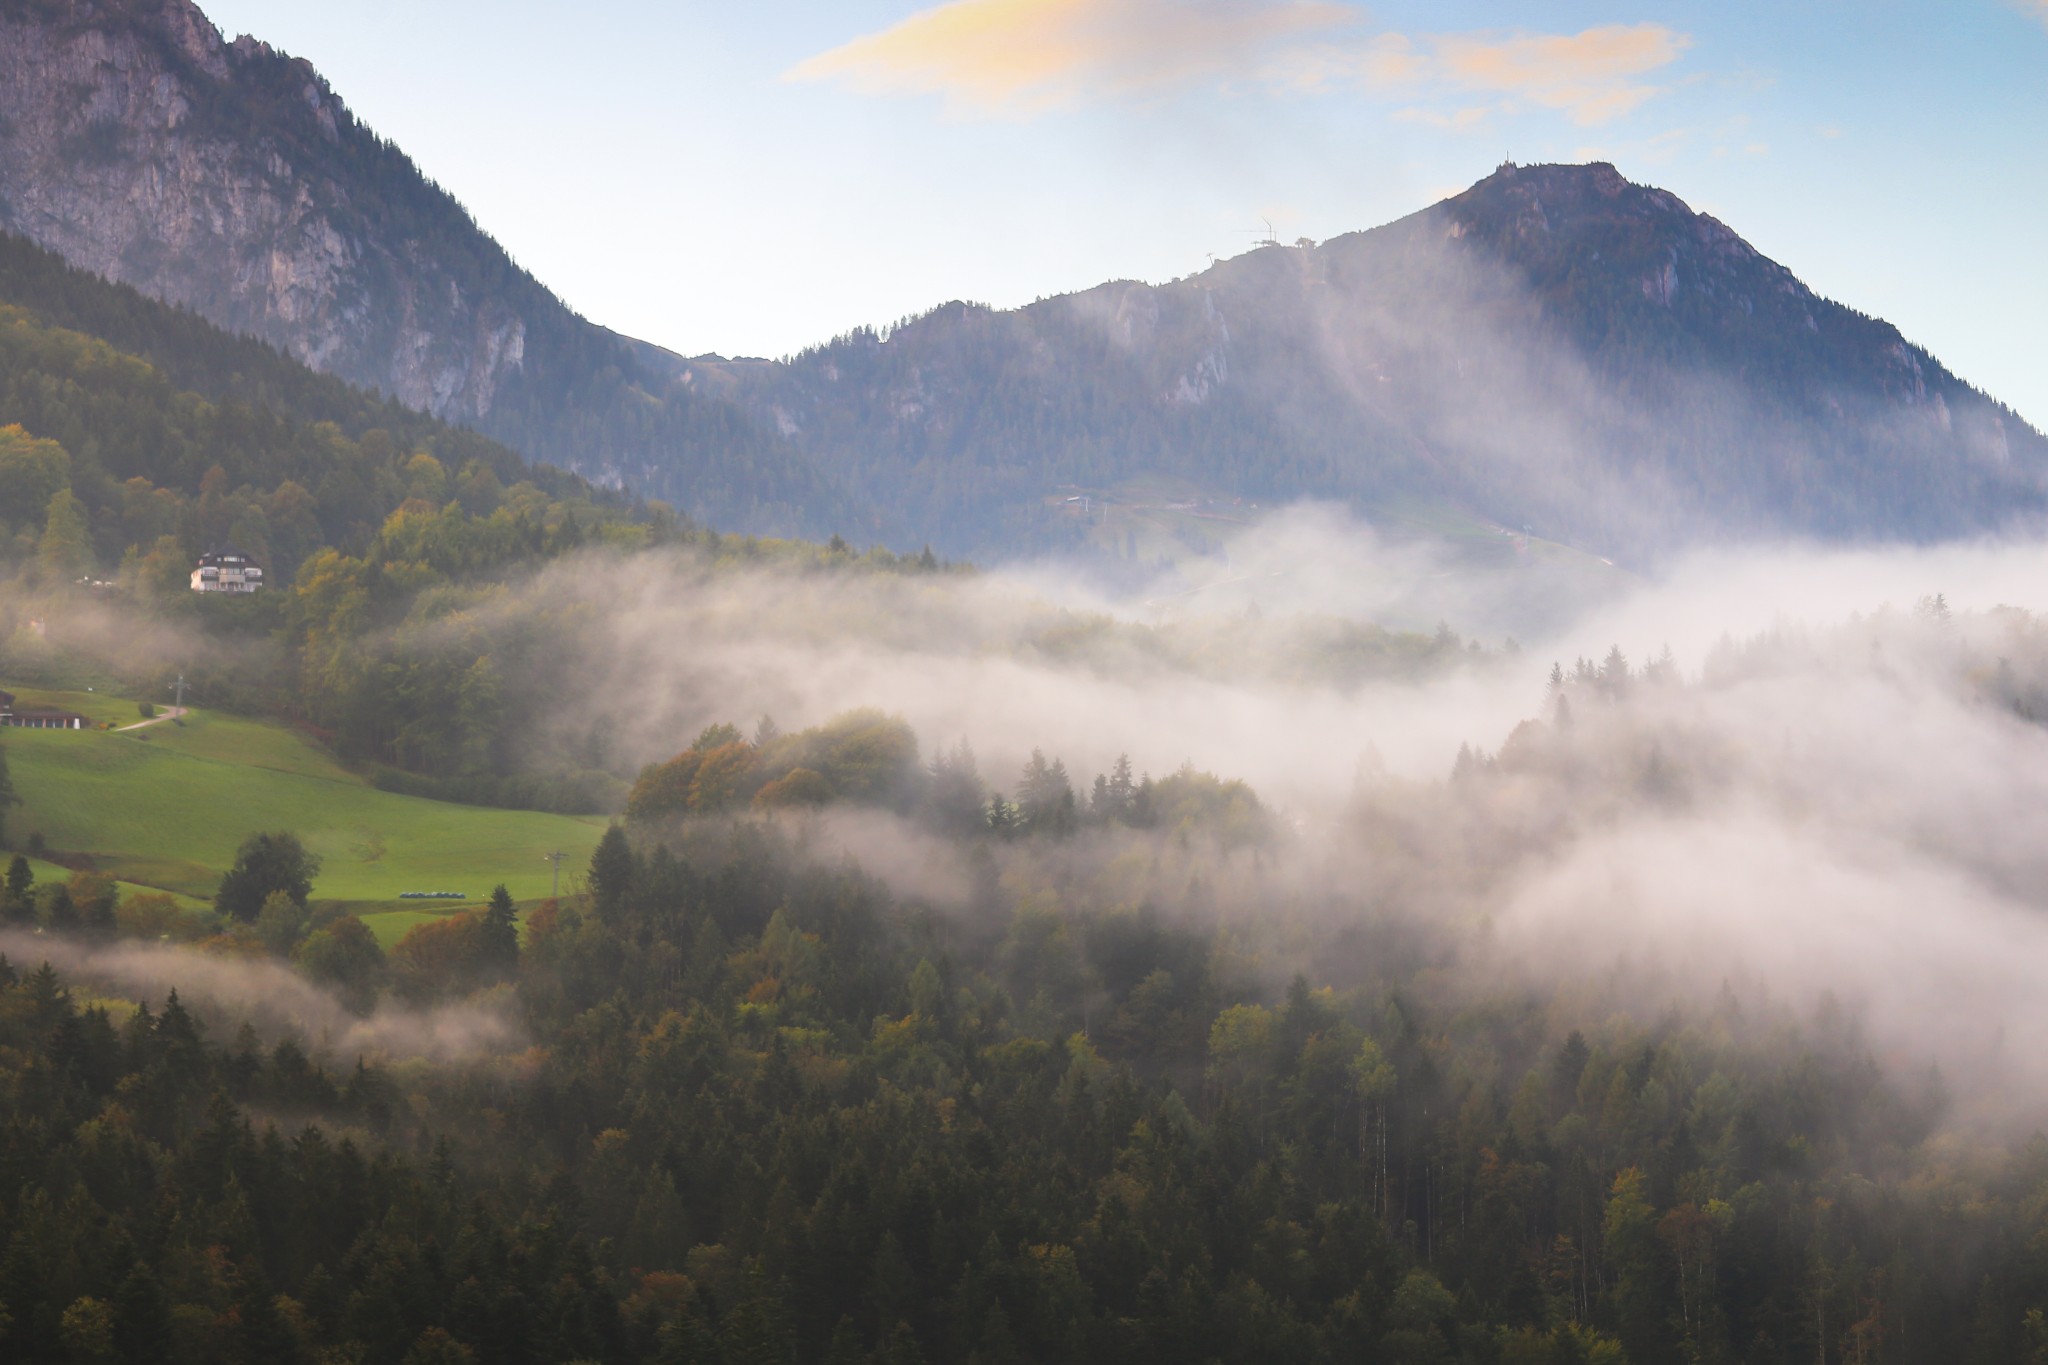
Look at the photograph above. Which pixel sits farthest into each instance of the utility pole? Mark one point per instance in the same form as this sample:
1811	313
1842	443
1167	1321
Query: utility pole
556	859
179	688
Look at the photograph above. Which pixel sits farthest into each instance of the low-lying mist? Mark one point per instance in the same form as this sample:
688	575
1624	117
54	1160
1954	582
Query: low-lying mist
275	1000
1792	772
1810	783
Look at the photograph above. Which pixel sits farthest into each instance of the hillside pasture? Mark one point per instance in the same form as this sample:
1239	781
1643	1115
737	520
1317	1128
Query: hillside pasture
165	807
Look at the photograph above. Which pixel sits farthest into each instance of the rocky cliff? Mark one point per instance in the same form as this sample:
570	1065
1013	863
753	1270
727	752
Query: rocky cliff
1556	347
228	178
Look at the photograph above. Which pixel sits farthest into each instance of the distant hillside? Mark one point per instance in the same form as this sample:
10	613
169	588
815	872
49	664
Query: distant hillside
229	179
1556	347
160	423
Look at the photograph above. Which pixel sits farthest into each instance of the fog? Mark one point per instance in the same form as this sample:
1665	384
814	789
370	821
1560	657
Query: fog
1850	809
267	994
1832	792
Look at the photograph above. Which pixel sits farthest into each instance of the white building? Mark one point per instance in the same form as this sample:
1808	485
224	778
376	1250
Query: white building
226	570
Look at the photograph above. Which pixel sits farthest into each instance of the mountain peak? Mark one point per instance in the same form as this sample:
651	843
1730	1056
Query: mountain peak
1576	189
1599	176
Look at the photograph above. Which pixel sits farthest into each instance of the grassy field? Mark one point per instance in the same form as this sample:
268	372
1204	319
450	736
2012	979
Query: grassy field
165	807
49	874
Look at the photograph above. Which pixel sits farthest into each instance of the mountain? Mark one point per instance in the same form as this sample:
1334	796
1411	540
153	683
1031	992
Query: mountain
1556	350
1555	347
227	178
159	424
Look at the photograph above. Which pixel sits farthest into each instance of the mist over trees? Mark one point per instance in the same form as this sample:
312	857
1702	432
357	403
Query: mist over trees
1555	348
982	967
921	1061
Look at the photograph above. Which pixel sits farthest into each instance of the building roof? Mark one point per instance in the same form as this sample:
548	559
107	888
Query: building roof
225	555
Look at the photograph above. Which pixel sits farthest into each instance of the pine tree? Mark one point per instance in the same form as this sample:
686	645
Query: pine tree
7	798
498	936
142	1320
612	867
18	903
1002	817
61	911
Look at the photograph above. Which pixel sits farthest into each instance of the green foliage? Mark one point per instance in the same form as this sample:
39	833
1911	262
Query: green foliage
65	550
498	936
8	796
769	1115
19	896
267	864
32	471
1189	799
282	922
149	804
344	955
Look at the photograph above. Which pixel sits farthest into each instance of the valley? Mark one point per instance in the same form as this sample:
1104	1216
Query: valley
1468	792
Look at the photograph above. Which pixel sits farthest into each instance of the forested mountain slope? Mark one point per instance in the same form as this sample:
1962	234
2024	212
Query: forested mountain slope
160	424
227	178
1556	347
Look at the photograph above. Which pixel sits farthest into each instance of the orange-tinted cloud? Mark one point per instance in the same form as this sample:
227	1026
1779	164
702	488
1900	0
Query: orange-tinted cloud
1022	57
1018	58
1590	76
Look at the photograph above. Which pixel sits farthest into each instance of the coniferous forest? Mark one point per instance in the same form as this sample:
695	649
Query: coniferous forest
1143	1075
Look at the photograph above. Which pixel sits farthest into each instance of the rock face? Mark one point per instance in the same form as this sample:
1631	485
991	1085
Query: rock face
229	179
1556	347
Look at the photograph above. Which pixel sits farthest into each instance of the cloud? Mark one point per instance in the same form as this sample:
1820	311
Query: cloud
1590	77
1024	57
1455	120
1020	58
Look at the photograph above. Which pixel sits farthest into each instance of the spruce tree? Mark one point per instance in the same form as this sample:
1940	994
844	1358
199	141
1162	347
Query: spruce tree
498	936
18	903
611	872
7	798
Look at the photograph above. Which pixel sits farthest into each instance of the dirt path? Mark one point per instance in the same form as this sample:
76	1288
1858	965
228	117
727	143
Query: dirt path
168	713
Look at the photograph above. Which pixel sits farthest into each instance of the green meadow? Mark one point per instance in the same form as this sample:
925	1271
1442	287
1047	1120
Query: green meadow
166	806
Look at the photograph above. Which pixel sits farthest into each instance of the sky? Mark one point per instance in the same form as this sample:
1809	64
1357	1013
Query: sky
752	179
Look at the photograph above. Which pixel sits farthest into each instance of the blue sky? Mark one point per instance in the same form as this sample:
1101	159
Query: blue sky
752	178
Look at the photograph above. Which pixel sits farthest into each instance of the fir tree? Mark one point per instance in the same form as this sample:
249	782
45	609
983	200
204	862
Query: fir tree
498	936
